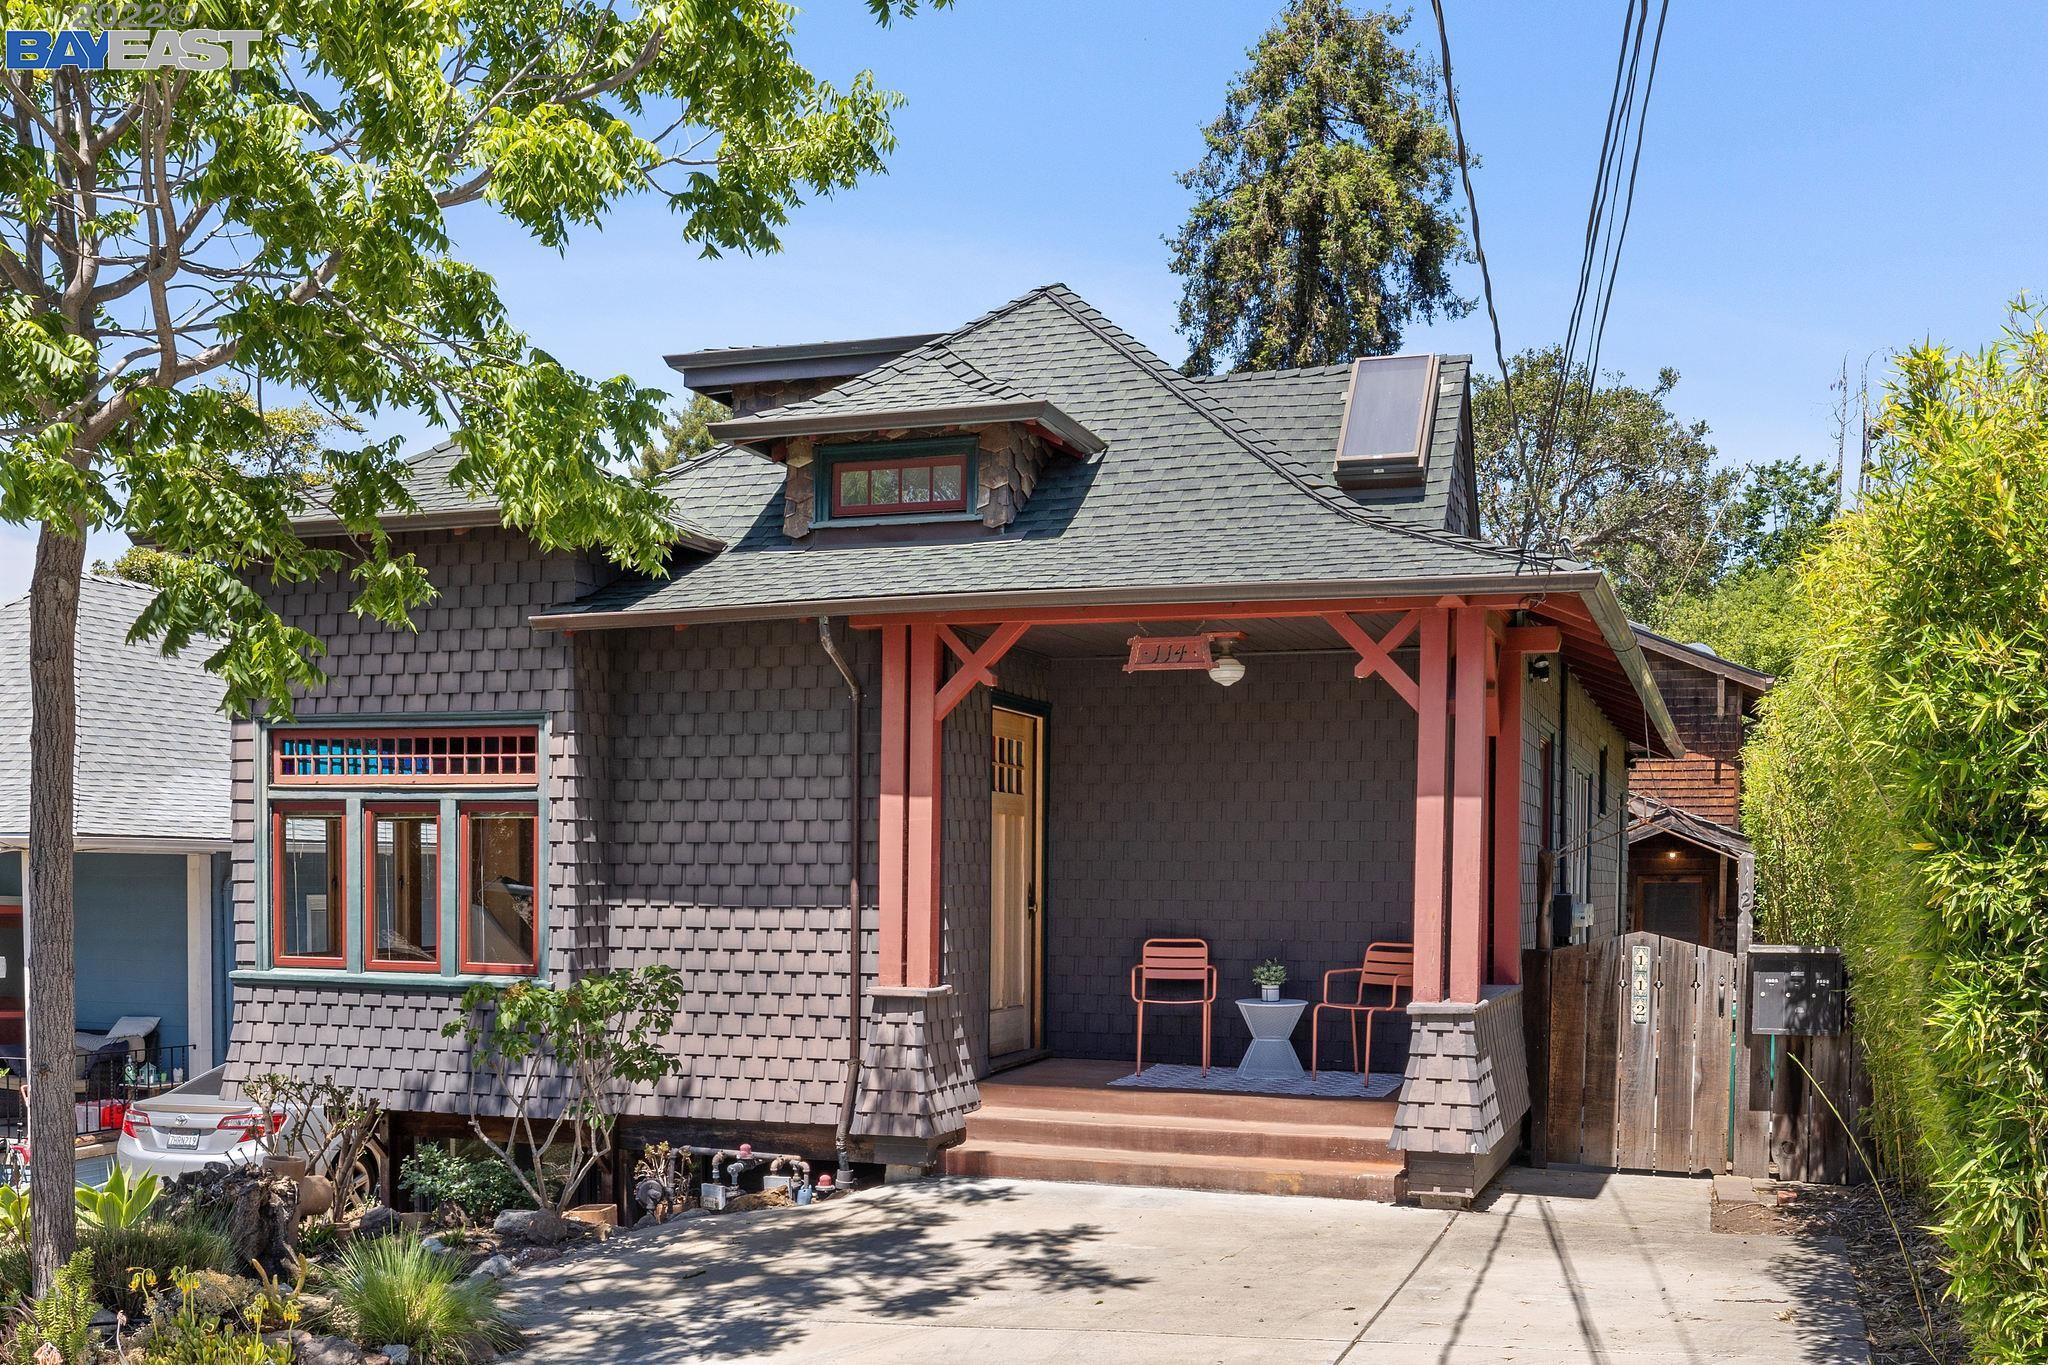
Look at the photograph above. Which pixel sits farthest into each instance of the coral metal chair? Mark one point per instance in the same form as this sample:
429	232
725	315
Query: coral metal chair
1173	959
1386	964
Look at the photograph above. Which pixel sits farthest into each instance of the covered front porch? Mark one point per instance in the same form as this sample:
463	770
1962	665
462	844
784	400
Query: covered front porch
1057	786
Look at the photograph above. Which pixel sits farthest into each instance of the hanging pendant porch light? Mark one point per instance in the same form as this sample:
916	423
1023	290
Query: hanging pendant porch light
1228	670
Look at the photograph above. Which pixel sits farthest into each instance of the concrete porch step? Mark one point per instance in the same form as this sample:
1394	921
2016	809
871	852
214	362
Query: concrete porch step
1174	1170
1186	1134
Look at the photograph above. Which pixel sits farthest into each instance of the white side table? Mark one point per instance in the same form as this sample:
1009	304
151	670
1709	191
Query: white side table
1270	1056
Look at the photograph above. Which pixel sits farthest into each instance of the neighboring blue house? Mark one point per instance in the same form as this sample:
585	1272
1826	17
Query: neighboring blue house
153	937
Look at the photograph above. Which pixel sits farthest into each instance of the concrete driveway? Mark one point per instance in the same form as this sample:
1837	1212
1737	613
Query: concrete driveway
1558	1267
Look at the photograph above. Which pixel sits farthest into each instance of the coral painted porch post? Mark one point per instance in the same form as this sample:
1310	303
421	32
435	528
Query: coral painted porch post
922	906
1466	968
1432	761
895	793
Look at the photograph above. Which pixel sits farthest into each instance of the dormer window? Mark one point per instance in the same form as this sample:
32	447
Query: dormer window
909	479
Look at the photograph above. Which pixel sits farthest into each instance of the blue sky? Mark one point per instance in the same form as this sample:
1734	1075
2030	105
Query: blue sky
1819	182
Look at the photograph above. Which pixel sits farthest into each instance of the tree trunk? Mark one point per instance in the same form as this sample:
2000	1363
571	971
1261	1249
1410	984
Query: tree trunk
52	989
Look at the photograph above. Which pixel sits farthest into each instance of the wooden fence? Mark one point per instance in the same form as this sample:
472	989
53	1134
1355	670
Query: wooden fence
1639	1060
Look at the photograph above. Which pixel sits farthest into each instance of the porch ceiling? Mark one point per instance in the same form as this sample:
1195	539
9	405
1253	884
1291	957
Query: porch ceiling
1110	639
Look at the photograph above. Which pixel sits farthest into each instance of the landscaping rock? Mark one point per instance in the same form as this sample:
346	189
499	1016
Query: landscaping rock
434	1244
496	1268
308	1349
532	1225
376	1221
397	1355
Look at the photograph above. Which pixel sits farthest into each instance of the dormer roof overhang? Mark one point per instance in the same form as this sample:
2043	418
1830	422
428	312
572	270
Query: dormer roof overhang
760	433
715	373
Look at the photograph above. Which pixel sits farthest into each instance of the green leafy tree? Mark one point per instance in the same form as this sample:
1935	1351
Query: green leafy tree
1896	789
1755	613
1625	483
294	223
684	433
1322	224
1756	618
588	1041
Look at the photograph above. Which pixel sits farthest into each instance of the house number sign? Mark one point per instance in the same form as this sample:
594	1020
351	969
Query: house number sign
1169	653
1639	985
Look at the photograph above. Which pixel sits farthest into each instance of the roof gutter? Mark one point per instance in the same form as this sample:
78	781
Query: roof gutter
1527	585
469	519
754	432
17	842
1589	584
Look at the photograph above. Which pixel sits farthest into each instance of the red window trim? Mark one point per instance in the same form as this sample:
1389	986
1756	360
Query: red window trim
364	749
371	962
278	813
465	812
872	509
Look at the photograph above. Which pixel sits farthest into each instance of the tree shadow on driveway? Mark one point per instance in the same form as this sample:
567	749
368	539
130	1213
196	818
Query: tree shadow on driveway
746	1285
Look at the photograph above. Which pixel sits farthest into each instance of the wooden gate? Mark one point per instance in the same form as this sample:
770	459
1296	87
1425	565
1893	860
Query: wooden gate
1638	1061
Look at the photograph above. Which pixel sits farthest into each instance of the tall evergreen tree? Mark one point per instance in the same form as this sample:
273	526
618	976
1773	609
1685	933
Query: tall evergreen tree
1322	223
684	433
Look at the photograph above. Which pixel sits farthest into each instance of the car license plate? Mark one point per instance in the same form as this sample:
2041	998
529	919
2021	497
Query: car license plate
182	1142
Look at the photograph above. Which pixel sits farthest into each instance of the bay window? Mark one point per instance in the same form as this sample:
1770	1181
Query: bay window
419	853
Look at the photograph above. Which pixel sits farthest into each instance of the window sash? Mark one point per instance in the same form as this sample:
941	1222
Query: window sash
335	907
923	469
445	756
470	908
428	889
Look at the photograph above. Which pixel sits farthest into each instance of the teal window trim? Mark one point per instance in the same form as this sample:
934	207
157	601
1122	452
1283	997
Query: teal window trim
450	801
829	457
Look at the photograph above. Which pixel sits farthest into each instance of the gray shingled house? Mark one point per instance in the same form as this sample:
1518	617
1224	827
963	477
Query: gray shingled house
153	833
942	636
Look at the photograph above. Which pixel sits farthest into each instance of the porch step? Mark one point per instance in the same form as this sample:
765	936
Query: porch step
1174	1170
1185	1134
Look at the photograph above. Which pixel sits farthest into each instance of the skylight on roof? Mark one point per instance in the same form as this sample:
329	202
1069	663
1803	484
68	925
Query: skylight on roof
1386	416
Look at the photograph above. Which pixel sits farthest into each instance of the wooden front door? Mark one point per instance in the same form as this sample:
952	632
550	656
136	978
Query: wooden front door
1016	871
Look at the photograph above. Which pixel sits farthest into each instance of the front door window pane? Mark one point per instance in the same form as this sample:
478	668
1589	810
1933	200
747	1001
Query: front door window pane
501	888
310	882
408	888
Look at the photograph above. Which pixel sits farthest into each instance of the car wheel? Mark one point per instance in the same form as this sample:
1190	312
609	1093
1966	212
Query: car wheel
365	1184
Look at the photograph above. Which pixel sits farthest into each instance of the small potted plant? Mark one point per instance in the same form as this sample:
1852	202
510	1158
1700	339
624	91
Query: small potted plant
1270	975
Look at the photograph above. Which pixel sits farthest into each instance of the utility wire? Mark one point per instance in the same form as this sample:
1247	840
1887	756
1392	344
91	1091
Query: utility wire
1606	233
1507	379
1627	207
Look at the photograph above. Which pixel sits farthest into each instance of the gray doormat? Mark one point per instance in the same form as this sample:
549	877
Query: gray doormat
1330	1085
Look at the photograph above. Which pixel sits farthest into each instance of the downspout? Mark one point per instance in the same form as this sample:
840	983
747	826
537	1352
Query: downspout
857	844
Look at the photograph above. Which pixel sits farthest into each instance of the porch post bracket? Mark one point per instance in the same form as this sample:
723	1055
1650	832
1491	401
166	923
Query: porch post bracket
1377	656
976	666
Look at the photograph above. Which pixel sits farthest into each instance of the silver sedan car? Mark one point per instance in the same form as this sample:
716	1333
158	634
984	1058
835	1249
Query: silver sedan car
197	1125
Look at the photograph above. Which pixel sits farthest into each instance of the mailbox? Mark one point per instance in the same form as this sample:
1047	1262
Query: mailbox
1795	991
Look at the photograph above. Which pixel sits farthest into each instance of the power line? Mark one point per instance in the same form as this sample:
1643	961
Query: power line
1507	380
1606	234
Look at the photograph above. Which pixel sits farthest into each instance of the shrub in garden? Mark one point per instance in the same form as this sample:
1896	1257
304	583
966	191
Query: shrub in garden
395	1290
1897	792
60	1319
161	1246
481	1187
590	1042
